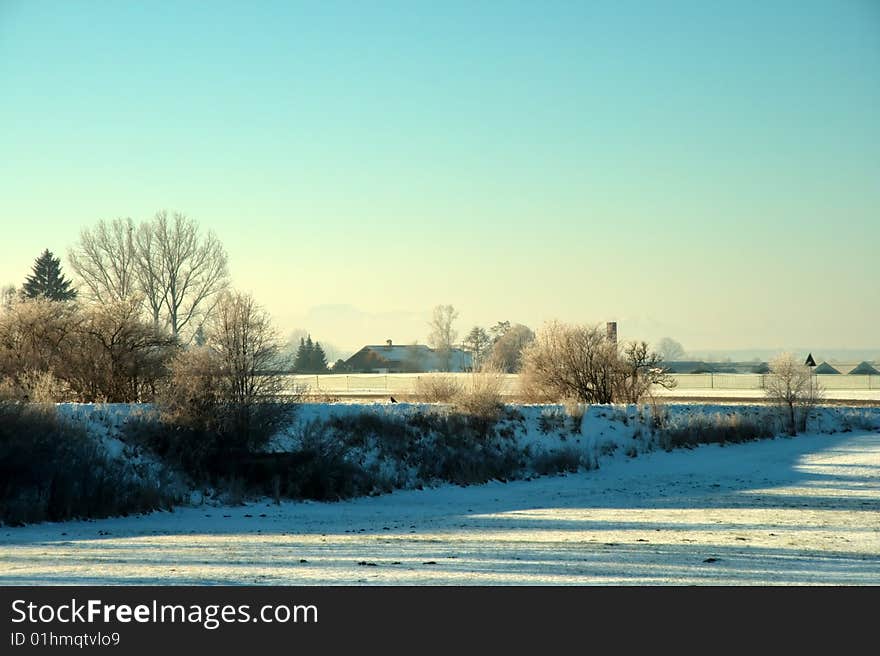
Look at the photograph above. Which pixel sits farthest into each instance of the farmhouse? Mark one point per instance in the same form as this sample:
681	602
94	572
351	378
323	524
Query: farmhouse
410	358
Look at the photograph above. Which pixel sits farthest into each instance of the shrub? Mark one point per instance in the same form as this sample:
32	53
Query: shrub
853	419
114	356
659	414
53	470
716	428
210	452
553	462
227	398
33	334
482	398
34	386
319	470
392	436
466	450
92	352
366	453
437	388
534	389
551	420
576	413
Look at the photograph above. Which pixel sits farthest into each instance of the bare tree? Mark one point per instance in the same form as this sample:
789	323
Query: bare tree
230	388
479	344
443	334
241	334
640	370
670	350
177	271
33	336
572	362
790	385
114	355
508	347
7	296
182	273
579	363
105	260
499	330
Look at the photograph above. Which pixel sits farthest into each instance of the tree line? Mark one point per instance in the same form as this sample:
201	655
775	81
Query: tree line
155	293
151	295
497	349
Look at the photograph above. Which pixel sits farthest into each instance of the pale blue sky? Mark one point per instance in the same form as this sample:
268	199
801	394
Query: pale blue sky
706	170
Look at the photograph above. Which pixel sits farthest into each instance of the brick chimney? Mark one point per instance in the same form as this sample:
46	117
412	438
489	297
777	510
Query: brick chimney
611	331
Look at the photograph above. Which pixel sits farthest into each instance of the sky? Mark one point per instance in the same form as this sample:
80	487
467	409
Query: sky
708	171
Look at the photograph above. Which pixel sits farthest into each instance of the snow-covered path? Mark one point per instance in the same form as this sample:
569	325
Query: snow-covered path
782	511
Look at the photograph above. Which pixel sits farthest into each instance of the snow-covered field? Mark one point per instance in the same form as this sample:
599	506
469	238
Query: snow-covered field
689	386
802	510
696	394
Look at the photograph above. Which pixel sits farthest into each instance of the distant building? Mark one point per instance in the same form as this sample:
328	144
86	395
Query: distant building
864	369
824	368
611	331
702	367
852	368
410	358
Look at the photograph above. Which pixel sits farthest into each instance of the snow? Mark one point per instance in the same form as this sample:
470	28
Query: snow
835	387
758	395
785	511
104	421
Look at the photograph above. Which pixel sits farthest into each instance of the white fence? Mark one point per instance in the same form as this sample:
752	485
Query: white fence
390	384
757	381
383	384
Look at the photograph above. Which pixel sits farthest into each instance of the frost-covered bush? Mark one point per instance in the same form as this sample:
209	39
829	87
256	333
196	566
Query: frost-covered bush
90	352
34	386
52	469
437	388
461	450
567	459
227	398
579	362
715	428
562	420
858	419
552	420
426	447
481	397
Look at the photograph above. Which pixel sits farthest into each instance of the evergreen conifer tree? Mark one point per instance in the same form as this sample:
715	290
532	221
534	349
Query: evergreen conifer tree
303	357
319	360
47	281
310	358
